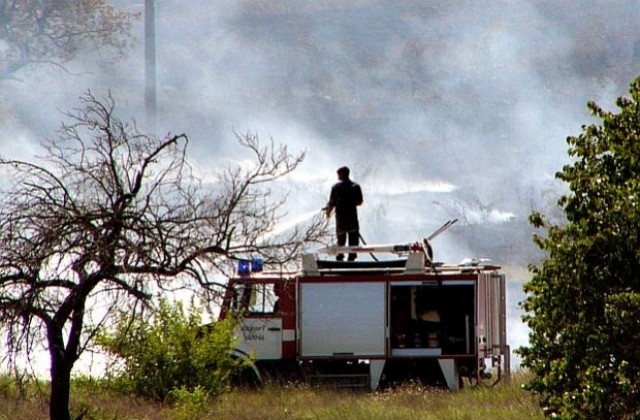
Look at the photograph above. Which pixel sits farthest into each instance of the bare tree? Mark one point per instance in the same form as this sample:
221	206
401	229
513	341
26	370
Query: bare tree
51	32
110	216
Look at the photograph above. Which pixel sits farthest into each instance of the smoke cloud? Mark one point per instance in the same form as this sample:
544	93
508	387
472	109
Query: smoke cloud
441	109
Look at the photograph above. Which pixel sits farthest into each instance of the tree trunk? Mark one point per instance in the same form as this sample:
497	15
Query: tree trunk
60	390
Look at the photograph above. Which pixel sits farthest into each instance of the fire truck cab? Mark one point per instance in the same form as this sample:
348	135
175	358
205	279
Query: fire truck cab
373	322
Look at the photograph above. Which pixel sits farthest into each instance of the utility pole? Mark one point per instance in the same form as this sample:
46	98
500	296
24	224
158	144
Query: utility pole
150	95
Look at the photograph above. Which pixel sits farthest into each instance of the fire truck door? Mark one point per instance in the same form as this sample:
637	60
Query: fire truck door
483	324
489	329
344	319
260	330
262	335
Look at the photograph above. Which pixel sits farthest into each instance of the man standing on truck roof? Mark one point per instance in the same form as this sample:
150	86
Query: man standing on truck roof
345	196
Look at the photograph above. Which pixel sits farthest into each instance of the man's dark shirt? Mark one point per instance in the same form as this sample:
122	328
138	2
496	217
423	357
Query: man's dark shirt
345	196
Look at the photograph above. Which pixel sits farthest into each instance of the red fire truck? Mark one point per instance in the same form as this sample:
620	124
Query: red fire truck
370	323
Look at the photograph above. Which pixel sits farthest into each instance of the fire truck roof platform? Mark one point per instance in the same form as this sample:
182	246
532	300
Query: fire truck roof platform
414	263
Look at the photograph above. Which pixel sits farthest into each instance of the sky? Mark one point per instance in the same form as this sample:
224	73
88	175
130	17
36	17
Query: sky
442	109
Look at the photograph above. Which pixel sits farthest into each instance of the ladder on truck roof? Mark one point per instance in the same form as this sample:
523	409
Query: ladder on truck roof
424	246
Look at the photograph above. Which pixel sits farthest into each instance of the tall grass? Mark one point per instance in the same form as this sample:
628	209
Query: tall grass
502	401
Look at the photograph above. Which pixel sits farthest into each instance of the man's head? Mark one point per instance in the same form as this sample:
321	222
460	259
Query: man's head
343	173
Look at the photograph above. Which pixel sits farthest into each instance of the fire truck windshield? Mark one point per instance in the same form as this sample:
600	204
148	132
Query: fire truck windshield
257	298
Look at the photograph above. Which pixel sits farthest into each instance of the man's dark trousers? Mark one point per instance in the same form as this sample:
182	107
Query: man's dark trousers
354	238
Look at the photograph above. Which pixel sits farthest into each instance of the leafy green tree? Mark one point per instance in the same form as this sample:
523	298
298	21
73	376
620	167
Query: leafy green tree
583	300
38	32
168	350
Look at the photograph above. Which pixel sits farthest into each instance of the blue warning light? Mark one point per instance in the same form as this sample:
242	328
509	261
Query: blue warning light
244	267
256	265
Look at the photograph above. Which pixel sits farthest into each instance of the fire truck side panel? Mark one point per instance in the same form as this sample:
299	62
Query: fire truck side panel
342	319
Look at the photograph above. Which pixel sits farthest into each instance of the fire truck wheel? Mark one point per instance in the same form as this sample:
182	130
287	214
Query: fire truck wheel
248	377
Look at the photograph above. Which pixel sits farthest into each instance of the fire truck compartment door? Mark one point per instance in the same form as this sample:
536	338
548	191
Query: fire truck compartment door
262	335
491	333
342	319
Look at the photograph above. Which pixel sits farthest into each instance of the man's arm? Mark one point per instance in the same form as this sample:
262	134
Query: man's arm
331	204
358	196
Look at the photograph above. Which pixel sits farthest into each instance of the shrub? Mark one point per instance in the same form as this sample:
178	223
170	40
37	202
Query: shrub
169	350
189	403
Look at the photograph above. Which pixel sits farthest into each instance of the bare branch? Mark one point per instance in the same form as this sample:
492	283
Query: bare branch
111	215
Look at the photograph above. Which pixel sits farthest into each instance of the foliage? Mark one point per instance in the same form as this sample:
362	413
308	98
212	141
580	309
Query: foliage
110	216
170	353
189	404
51	32
582	302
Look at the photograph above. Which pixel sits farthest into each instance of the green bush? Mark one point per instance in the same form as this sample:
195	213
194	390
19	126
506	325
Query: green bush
583	300
169	350
189	403
8	386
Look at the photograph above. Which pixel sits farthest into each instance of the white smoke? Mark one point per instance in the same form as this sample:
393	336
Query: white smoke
433	105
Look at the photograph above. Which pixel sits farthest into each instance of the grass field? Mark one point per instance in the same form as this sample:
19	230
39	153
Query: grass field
502	401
